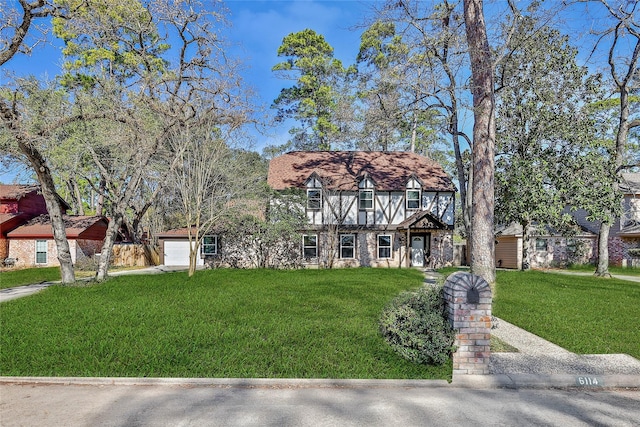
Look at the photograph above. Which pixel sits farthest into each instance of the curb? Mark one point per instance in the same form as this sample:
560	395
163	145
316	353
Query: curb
543	381
509	381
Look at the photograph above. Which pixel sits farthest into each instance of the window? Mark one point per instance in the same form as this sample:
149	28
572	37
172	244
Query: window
41	251
314	199
347	245
384	246
310	246
541	244
209	246
366	200
413	199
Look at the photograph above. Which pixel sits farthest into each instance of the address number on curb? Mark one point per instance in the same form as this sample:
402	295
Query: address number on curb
589	381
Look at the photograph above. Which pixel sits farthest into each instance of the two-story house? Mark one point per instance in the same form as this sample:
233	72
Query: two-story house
370	208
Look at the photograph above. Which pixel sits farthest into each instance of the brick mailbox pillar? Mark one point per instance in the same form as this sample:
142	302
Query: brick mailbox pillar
468	300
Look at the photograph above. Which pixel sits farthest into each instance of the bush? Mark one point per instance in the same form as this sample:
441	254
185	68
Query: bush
415	326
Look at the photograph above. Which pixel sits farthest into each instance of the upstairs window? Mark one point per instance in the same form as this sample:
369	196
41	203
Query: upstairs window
209	246
314	199
384	246
347	246
413	199
365	200
310	246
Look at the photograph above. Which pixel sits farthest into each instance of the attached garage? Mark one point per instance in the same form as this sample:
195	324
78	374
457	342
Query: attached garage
176	252
508	252
174	248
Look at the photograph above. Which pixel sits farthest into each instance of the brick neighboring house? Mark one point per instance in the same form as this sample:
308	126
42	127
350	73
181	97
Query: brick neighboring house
32	243
547	247
26	235
381	209
18	204
550	249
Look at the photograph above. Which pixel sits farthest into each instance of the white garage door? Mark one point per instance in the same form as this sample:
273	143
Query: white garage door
176	252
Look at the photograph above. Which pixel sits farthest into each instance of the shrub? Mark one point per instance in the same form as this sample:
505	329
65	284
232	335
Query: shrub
415	326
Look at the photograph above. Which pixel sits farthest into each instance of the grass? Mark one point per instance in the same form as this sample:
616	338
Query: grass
28	276
220	323
500	346
583	314
11	278
587	268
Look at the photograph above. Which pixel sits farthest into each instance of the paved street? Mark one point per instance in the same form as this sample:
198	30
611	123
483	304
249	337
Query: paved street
312	405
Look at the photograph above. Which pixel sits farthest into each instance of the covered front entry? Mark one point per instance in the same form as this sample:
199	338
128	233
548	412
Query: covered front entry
418	229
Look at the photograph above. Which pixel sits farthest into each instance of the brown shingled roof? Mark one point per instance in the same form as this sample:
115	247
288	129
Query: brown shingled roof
16	191
86	227
342	170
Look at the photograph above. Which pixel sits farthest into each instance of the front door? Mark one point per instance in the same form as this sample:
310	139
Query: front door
417	251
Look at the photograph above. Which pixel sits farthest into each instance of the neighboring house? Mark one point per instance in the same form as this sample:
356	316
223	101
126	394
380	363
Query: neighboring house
19	204
32	243
26	236
549	249
174	248
624	240
370	208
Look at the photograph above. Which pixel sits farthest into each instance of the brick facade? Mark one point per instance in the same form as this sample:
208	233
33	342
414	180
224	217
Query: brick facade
24	251
619	251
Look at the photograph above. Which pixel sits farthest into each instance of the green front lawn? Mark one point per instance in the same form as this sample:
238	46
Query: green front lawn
28	276
220	323
584	314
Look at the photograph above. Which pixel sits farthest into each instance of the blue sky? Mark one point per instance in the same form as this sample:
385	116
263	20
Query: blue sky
257	28
260	25
256	32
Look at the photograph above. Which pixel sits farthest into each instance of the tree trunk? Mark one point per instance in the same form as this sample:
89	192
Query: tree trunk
53	207
484	129
526	246
467	211
602	269
107	247
77	197
193	258
101	191
414	132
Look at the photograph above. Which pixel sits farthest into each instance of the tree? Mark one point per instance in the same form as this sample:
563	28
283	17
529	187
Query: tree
313	100
484	129
625	73
211	180
431	78
119	64
17	26
272	241
541	93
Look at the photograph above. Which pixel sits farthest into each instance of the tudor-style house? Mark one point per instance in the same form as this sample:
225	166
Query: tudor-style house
380	209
